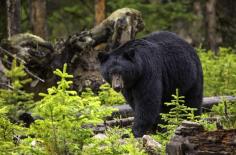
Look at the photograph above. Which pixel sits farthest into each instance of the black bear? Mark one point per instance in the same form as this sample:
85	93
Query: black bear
148	71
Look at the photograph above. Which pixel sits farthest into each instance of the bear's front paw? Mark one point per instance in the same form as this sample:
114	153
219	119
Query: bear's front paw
137	132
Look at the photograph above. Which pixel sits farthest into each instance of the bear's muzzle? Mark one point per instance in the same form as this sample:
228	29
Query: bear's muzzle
117	82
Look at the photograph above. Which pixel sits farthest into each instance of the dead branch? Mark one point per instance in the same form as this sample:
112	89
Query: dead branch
11	55
33	75
210	101
125	122
6	86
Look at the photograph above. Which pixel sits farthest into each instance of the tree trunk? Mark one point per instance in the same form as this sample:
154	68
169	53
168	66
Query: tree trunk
226	22
197	8
211	25
3	19
13	17
197	24
99	11
38	18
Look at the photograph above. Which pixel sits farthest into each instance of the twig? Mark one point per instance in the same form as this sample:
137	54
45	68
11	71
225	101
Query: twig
33	75
22	61
6	85
12	55
226	109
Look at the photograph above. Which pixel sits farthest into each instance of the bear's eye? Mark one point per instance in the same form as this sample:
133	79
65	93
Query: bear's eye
109	74
102	57
129	55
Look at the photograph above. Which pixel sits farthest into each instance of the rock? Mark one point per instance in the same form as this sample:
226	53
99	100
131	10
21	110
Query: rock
100	136
151	146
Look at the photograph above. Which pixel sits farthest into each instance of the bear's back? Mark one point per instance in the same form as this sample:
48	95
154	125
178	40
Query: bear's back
181	65
168	40
172	47
162	37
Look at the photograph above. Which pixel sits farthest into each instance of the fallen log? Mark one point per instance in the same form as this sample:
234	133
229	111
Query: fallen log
210	101
191	138
125	122
126	111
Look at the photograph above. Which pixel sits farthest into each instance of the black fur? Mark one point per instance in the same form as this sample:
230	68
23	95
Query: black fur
152	68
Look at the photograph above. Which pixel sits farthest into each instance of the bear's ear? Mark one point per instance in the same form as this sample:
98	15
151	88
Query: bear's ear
129	54
102	57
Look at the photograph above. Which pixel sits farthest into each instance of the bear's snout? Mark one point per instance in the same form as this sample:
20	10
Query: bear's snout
117	82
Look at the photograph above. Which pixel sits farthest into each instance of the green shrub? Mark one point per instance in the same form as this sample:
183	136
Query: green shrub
66	117
220	79
110	97
226	111
13	101
113	144
174	118
9	132
15	98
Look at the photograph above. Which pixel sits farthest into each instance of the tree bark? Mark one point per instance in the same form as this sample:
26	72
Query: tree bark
226	22
3	19
211	25
99	11
13	17
38	18
197	23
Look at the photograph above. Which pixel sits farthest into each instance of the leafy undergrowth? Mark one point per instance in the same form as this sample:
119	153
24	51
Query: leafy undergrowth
114	144
110	97
174	118
66	116
64	127
219	80
14	97
219	71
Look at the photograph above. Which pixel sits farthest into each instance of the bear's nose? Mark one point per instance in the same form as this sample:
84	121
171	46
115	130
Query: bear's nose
117	88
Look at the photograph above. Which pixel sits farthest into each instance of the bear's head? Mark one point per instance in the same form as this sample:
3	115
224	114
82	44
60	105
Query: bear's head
121	68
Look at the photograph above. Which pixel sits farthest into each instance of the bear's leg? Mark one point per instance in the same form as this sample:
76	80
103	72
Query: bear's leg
147	109
129	98
146	115
194	98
